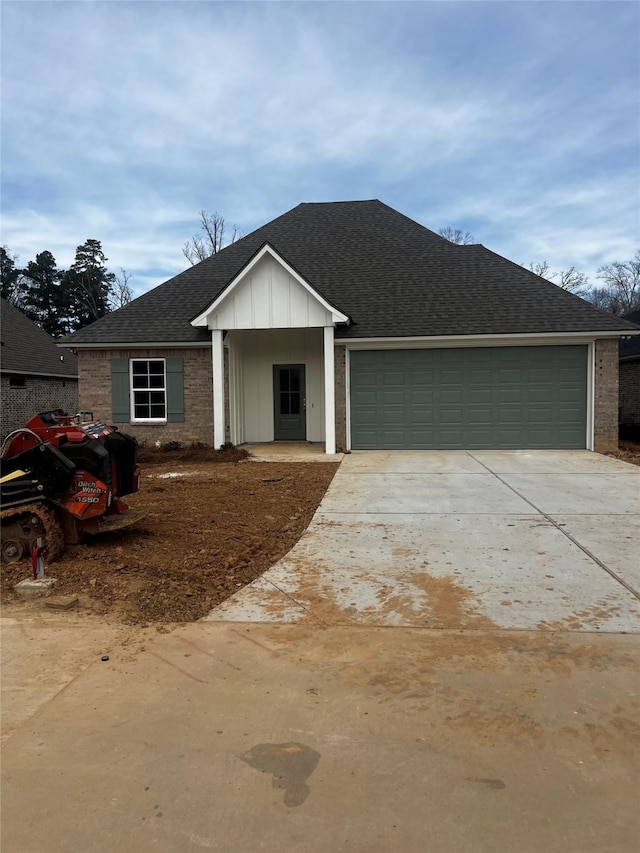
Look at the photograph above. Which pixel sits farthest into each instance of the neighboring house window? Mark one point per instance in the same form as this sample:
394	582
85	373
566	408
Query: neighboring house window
148	389
17	382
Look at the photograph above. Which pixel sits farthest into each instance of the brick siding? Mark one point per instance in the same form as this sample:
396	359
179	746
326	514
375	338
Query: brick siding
94	368
605	414
95	394
39	394
341	397
630	392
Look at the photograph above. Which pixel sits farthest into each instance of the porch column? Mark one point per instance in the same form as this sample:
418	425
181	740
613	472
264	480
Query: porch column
217	363
329	393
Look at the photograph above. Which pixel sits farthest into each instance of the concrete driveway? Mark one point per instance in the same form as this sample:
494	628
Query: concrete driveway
484	539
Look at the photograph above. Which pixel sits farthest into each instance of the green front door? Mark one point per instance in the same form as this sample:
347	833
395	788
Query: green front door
465	398
289	403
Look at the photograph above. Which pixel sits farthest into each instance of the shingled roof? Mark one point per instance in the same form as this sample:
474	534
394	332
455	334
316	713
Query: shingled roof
27	349
390	275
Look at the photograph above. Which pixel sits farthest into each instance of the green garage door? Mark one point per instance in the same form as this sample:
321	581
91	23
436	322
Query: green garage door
501	397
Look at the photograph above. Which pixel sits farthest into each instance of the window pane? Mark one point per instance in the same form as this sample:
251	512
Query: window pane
284	404
295	404
284	380
148	385
295	380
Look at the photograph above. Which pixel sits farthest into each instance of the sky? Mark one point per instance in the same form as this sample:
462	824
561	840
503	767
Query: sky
517	121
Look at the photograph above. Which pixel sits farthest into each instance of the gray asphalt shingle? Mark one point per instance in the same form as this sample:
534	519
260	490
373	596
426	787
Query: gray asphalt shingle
27	349
389	274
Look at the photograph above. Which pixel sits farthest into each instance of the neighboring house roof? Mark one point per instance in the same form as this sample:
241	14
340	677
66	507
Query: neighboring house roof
27	349
631	349
391	276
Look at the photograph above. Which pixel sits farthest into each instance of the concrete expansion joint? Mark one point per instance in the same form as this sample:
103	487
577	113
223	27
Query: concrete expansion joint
564	532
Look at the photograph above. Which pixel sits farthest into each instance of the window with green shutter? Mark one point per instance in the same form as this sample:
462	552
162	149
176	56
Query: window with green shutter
147	390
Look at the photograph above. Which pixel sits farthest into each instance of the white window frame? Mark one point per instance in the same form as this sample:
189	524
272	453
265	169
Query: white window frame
132	390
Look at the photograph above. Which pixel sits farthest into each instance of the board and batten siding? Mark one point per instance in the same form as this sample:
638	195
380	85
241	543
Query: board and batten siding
269	298
252	355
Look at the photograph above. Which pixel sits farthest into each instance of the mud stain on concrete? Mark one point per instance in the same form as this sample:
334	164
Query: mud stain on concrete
290	764
495	784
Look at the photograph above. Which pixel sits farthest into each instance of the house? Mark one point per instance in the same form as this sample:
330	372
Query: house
350	324
630	383
35	375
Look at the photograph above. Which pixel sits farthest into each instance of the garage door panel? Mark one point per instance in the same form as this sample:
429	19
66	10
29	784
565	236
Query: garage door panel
480	395
511	397
421	397
451	395
391	397
451	417
421	416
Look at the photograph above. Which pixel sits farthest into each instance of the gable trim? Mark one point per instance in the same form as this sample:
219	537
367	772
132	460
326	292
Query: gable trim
202	318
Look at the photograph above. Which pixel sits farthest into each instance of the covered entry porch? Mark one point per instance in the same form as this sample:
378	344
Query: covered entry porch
278	386
272	350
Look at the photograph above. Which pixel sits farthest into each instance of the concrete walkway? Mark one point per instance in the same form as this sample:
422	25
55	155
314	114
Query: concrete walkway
482	539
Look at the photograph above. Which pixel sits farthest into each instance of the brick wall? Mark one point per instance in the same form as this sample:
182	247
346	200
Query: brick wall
630	392
605	412
341	398
94	368
39	394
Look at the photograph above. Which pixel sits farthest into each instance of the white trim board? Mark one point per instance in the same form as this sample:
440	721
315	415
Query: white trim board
451	342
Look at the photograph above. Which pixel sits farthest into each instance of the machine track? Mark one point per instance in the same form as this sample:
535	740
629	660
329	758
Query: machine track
21	527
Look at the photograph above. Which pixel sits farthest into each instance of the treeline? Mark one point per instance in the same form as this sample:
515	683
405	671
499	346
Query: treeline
62	301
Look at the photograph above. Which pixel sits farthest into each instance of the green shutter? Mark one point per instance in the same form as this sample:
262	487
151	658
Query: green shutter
120	412
175	390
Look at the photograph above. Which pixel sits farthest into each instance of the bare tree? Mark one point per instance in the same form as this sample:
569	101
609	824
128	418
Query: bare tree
573	280
620	293
457	235
122	293
203	246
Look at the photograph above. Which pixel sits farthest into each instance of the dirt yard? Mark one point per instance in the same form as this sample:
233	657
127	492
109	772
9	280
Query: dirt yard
628	451
215	521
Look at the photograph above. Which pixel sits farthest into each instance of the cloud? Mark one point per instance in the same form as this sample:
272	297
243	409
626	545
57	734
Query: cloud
128	118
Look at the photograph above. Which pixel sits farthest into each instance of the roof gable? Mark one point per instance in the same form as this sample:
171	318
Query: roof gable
268	294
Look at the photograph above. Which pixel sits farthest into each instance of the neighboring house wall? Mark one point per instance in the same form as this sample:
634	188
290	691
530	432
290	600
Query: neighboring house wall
605	415
39	394
630	392
197	426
